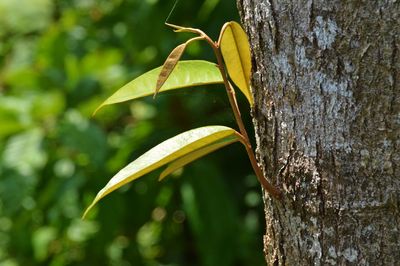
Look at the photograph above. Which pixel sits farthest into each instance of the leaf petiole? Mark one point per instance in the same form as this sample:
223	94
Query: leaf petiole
272	190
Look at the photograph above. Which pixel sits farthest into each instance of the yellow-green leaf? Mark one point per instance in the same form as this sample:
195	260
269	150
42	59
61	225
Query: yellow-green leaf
165	153
235	50
185	74
171	62
179	163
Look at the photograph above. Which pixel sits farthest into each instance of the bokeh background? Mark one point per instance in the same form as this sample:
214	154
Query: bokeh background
58	61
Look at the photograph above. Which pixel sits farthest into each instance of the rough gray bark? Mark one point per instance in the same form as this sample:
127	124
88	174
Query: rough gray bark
326	80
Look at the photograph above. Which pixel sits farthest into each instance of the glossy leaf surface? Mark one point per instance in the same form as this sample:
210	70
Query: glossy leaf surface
185	74
235	50
166	152
179	163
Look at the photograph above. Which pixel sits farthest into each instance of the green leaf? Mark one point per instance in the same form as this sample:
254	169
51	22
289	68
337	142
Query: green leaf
179	163
235	50
166	152
171	62
185	74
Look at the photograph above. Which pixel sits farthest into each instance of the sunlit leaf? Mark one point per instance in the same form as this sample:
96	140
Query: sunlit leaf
179	163
185	74
167	152
171	62
235	50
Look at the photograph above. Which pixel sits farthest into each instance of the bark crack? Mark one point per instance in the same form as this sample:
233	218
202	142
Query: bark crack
274	26
311	17
320	194
394	74
276	142
282	243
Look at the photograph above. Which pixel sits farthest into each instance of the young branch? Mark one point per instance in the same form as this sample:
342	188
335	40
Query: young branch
275	192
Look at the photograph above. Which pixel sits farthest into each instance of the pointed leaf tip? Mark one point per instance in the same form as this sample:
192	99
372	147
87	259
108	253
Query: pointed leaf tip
235	50
185	74
189	145
183	29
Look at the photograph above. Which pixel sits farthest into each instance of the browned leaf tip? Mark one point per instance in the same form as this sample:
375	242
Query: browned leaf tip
169	66
170	63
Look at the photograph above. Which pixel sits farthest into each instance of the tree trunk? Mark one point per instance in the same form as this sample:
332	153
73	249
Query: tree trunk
326	81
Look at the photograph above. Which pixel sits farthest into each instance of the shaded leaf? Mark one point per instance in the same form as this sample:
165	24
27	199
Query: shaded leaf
186	74
164	153
204	197
235	50
171	62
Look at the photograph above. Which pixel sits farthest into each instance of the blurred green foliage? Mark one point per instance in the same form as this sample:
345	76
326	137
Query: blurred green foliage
58	61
